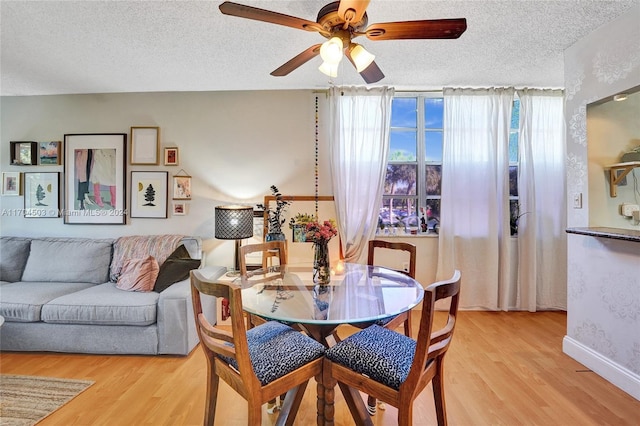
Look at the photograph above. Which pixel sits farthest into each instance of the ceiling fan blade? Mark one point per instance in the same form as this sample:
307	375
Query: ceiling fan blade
371	74
427	29
357	6
257	14
296	61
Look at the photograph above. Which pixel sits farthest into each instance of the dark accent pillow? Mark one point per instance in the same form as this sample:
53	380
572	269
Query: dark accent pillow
175	269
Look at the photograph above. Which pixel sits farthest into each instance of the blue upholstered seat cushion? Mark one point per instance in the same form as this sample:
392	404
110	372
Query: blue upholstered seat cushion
382	354
276	350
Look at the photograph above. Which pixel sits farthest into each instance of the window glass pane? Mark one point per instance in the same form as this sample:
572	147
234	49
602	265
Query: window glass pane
513	147
433	180
400	179
433	112
513	181
433	146
514	208
432	211
398	211
402	146
403	112
515	115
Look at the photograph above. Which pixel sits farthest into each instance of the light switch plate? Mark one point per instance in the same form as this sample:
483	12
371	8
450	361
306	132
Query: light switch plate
577	200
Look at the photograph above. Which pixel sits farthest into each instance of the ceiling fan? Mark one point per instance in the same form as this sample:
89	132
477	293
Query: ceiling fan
340	22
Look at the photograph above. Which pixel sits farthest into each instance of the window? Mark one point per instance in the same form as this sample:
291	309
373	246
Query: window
514	204
414	172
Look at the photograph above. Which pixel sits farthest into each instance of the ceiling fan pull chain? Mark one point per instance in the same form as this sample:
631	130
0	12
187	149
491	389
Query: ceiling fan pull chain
316	159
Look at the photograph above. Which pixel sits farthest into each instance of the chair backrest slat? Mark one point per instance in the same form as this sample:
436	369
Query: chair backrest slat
270	248
396	245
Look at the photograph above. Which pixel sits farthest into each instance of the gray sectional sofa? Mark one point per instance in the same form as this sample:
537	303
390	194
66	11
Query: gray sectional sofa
58	294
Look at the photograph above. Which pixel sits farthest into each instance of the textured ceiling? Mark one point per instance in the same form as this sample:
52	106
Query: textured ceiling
60	47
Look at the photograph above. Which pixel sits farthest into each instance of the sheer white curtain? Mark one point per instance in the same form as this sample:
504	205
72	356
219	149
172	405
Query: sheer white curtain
474	215
541	187
359	143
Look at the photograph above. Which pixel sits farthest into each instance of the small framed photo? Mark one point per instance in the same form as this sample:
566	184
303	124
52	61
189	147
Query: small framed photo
49	153
11	183
171	156
145	145
179	209
41	194
182	187
149	194
24	153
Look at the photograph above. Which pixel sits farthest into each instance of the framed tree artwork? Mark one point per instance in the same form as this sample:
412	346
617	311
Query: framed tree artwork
149	194
41	194
94	176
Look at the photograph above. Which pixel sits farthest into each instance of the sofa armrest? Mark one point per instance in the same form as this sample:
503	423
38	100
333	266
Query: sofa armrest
177	333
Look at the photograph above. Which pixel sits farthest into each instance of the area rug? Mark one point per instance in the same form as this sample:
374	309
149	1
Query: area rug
25	400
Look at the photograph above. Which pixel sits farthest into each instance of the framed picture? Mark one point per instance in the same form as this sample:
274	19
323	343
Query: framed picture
182	187
149	194
41	194
24	153
49	153
179	209
94	176
11	184
145	145
171	156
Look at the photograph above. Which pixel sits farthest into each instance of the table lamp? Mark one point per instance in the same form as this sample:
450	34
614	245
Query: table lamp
234	223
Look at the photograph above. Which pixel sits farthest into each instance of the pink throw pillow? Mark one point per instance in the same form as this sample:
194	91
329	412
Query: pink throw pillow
138	274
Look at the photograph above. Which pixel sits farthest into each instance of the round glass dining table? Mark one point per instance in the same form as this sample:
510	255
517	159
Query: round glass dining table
358	293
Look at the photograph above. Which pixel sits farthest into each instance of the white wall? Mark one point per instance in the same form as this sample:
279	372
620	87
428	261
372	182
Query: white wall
234	145
603	294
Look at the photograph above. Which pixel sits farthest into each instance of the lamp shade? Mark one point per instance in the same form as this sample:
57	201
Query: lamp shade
361	58
331	50
329	69
234	222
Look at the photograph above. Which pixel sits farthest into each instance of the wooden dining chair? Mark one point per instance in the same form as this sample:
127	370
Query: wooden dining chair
395	368
270	250
260	364
404	318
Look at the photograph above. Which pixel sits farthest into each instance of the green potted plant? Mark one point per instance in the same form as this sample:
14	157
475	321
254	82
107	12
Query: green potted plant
275	216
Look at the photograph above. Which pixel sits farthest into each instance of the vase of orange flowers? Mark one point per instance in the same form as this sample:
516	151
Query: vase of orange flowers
320	234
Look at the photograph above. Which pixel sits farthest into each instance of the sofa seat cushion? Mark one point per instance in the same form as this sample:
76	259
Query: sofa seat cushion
79	260
103	304
23	301
14	252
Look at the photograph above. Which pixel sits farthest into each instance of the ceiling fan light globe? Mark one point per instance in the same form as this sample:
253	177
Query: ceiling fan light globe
331	50
329	69
361	57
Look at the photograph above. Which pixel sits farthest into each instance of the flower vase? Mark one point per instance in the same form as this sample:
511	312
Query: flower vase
321	299
275	236
321	265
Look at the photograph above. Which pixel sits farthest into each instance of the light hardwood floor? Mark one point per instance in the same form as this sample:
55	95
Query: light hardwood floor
501	369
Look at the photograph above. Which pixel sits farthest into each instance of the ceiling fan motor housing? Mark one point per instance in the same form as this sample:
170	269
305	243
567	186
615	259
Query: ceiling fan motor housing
330	21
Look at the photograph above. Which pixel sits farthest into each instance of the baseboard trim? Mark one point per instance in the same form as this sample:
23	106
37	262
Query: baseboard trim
604	367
